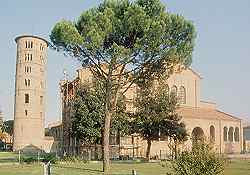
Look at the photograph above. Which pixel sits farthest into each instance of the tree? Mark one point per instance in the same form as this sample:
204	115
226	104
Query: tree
178	135
88	114
87	119
119	38
8	126
156	114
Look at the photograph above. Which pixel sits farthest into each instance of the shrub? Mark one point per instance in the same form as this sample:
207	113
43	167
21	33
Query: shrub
202	160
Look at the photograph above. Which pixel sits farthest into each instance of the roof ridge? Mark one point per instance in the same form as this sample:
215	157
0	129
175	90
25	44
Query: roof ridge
228	114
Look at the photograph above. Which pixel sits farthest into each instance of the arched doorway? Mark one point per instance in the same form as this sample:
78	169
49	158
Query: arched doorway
197	135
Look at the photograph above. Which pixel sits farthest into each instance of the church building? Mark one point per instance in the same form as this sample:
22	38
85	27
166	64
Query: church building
202	118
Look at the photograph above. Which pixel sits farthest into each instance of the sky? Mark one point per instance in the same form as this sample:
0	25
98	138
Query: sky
221	55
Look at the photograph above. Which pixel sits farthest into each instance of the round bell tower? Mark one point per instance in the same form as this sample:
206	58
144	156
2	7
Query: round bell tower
30	91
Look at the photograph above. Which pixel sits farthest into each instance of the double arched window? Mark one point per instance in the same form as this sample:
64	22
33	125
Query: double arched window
181	94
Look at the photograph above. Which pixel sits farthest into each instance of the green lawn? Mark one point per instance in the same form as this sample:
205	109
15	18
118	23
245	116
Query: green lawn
7	155
236	167
233	168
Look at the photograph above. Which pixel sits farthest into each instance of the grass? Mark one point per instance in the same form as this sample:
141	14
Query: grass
235	167
238	167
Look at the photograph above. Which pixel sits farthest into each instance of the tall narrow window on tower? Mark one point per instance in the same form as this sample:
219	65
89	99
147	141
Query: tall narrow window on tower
27	98
41	100
27	82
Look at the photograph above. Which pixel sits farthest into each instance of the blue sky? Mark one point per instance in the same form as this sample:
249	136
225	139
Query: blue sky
221	56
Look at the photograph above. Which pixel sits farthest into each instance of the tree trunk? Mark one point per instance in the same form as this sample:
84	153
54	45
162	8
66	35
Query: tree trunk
110	103
148	150
106	161
175	151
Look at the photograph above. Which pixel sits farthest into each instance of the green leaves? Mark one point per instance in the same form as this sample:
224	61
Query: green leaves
64	33
142	27
156	112
202	160
88	114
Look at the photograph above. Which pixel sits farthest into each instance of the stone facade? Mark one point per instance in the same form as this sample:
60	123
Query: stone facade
30	92
201	118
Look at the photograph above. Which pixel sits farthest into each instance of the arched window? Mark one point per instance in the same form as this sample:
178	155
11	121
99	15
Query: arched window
182	95
174	90
225	134
231	134
212	133
236	134
197	135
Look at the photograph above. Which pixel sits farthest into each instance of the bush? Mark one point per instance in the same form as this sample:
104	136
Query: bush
202	160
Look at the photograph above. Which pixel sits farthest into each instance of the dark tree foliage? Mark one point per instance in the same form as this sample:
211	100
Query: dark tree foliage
8	127
88	114
157	115
87	119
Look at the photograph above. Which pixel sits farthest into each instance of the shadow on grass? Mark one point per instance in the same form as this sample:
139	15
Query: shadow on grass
76	168
84	169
